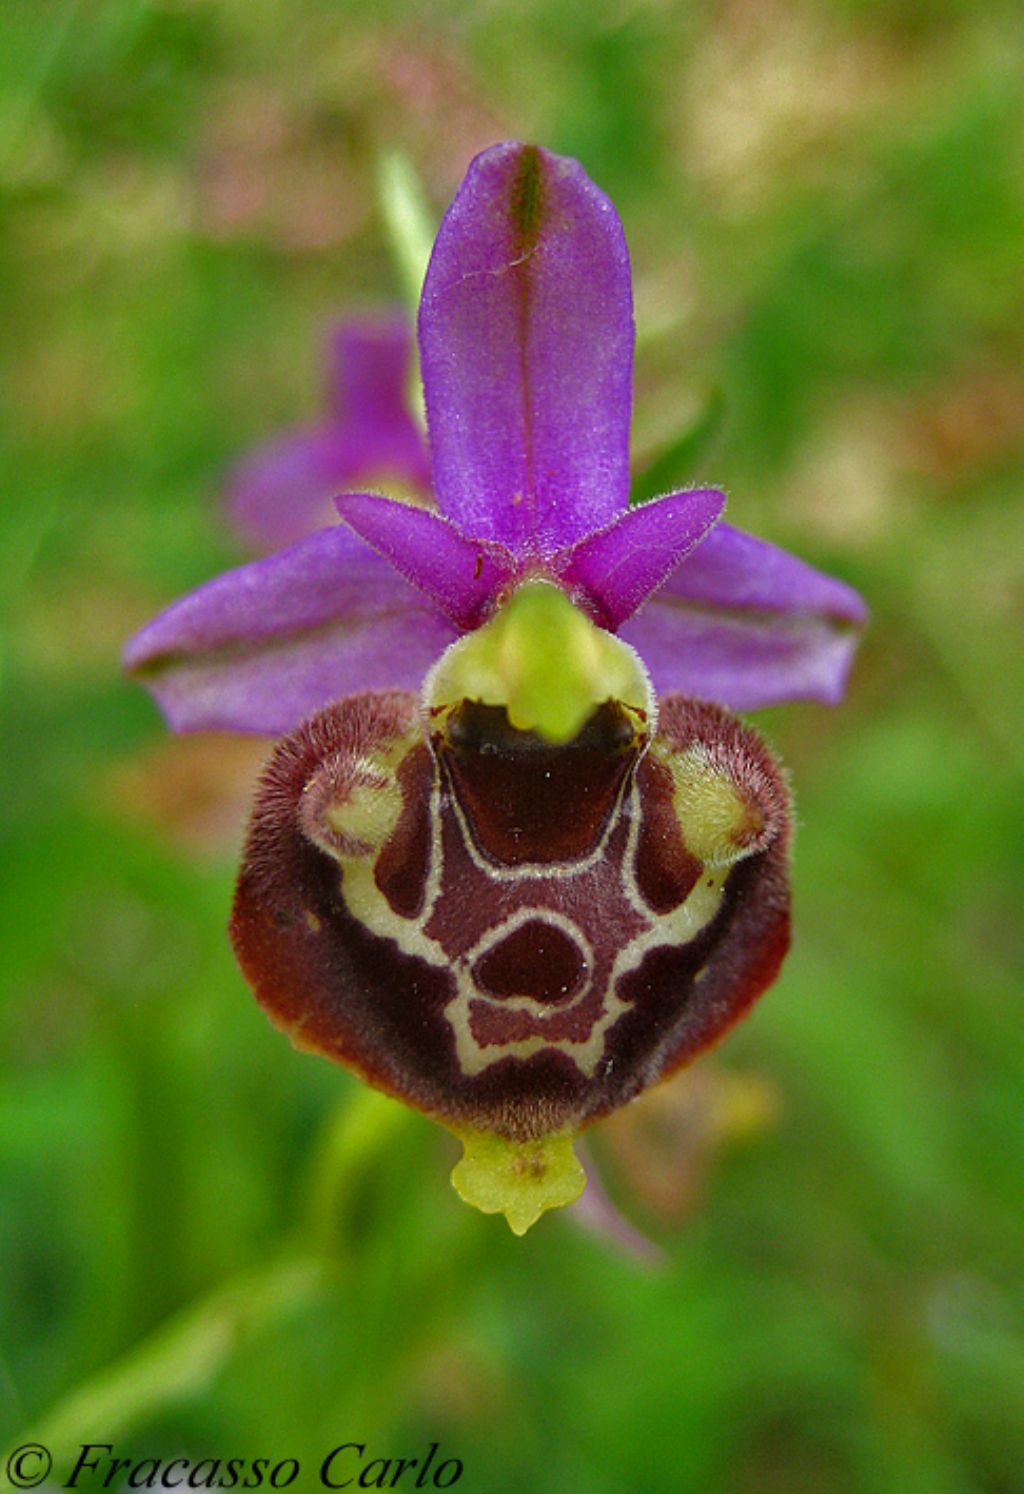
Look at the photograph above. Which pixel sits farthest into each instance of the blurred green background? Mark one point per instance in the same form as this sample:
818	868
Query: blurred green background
212	1245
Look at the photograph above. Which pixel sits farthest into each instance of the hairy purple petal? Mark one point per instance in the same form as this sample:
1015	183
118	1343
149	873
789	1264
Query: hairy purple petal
526	345
620	566
260	648
746	624
460	575
283	490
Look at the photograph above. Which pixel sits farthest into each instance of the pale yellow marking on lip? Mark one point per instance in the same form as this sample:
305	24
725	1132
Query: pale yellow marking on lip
719	826
367	816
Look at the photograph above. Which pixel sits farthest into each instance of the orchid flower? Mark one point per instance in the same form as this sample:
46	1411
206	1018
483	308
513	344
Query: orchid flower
491	871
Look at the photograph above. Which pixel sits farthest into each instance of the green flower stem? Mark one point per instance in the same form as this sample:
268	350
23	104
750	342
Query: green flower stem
179	1360
410	231
409	224
359	1131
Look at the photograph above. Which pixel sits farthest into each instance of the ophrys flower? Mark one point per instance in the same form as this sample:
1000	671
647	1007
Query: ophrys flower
496	875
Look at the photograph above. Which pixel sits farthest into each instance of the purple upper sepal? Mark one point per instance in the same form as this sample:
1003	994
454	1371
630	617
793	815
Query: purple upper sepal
526	347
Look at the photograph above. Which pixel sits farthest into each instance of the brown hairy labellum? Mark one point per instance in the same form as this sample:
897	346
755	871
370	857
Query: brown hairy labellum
513	936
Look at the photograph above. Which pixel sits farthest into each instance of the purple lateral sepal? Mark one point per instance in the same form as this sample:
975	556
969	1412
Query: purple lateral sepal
746	624
282	492
735	569
617	568
526	347
261	647
459	575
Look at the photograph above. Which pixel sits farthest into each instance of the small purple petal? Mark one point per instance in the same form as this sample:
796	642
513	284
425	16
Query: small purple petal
460	575
746	624
526	344
262	647
620	566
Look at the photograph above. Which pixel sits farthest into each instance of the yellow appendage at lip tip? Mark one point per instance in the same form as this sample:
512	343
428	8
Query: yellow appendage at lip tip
520	1179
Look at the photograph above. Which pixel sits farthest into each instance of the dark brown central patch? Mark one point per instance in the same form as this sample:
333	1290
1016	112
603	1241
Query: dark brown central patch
528	800
537	960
